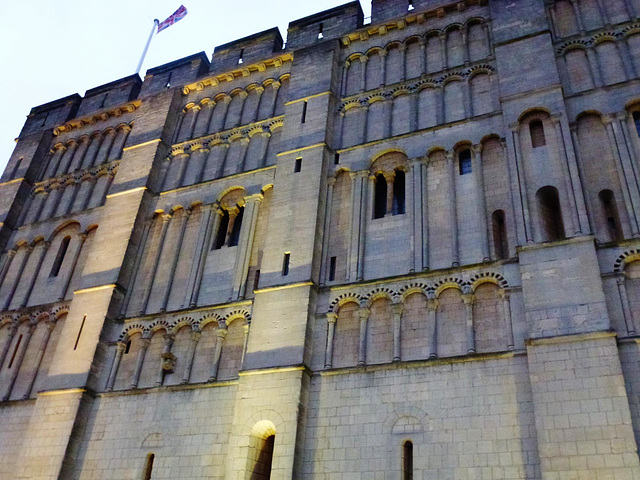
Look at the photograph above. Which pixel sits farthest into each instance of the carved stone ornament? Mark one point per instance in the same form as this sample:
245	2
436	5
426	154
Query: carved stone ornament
168	362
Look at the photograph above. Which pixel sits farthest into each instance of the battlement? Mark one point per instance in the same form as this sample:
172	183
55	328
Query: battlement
178	72
249	49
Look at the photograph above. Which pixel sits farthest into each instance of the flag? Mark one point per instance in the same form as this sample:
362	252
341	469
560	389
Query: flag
179	14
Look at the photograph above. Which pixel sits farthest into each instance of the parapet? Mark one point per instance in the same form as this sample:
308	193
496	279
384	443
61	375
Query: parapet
110	94
326	25
51	114
251	49
384	10
178	72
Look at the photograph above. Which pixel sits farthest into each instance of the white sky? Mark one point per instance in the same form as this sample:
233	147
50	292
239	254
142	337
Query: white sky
50	49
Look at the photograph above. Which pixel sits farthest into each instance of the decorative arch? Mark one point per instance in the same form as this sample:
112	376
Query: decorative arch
487	277
338	302
625	258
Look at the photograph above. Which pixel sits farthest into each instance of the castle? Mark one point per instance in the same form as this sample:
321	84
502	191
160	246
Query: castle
397	249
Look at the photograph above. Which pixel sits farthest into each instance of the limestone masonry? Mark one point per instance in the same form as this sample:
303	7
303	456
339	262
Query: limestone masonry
400	249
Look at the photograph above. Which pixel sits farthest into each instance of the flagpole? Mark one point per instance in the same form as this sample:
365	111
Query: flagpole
144	53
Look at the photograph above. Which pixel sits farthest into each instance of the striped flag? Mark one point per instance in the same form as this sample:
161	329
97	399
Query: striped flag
179	14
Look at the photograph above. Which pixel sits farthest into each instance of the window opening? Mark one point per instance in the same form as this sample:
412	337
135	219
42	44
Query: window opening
407	461
610	211
62	251
256	280
398	207
536	129
221	234
336	159
332	269
298	165
636	120
148	467
237	225
552	225
410	7
15	351
84	319
127	347
500	245
168	84
321	31
304	112
285	264
262	468
464	162
380	205
241	59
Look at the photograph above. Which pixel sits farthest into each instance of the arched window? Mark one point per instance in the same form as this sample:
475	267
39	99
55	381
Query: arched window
234	237
551	224
398	193
221	234
148	467
407	461
500	243
610	212
464	162
262	466
62	251
636	120
536	129
380	201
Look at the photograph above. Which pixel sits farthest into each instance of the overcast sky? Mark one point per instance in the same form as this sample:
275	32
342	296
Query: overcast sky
50	49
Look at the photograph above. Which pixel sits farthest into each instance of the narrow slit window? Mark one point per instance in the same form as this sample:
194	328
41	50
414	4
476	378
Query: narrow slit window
15	351
62	251
552	226
610	211
235	232
304	112
636	121
264	459
84	319
321	30
256	280
168	84
410	6
285	264
500	245
221	234
298	166
399	193
464	162
407	461
336	159
241	59
380	201
332	269
536	129
148	467
127	347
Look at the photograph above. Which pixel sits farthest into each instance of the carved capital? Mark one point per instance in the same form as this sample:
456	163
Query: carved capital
332	317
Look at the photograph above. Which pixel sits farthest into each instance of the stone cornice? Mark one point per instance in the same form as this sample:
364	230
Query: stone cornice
241	71
97	117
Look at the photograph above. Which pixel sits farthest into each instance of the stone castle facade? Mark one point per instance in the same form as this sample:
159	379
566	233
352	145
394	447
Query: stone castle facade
402	249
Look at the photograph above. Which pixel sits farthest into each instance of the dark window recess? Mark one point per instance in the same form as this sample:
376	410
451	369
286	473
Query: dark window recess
500	245
62	251
380	200
410	6
552	225
15	351
16	168
407	461
399	193
321	30
298	165
336	159
148	467
285	264
304	112
636	120
464	162
256	280
332	269
221	234
610	211
235	232
84	319
536	129
240	58
168	84
262	468
127	347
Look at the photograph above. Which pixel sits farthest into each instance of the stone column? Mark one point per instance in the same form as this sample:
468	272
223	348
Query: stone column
79	154
568	178
580	163
397	308
383	67
247	234
5	347
120	347
594	67
630	167
506	311
627	313
188	124
345	70
63	166
276	86
453	208
331	328
221	332
366	205
105	146
417	216
49	326
220	115
118	143
483	215
469	300
423	56
432	329
443	50
245	329
16	282
56	155
156	262
632	136
516	163
164	357
211	226
554	20
243	95
6	265
362	345
603	13
193	343
17	363
176	255
388	115
578	14
363	74
204	117
82	236
627	58
92	150
144	344
357	195
326	240
136	266
465	44
402	48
